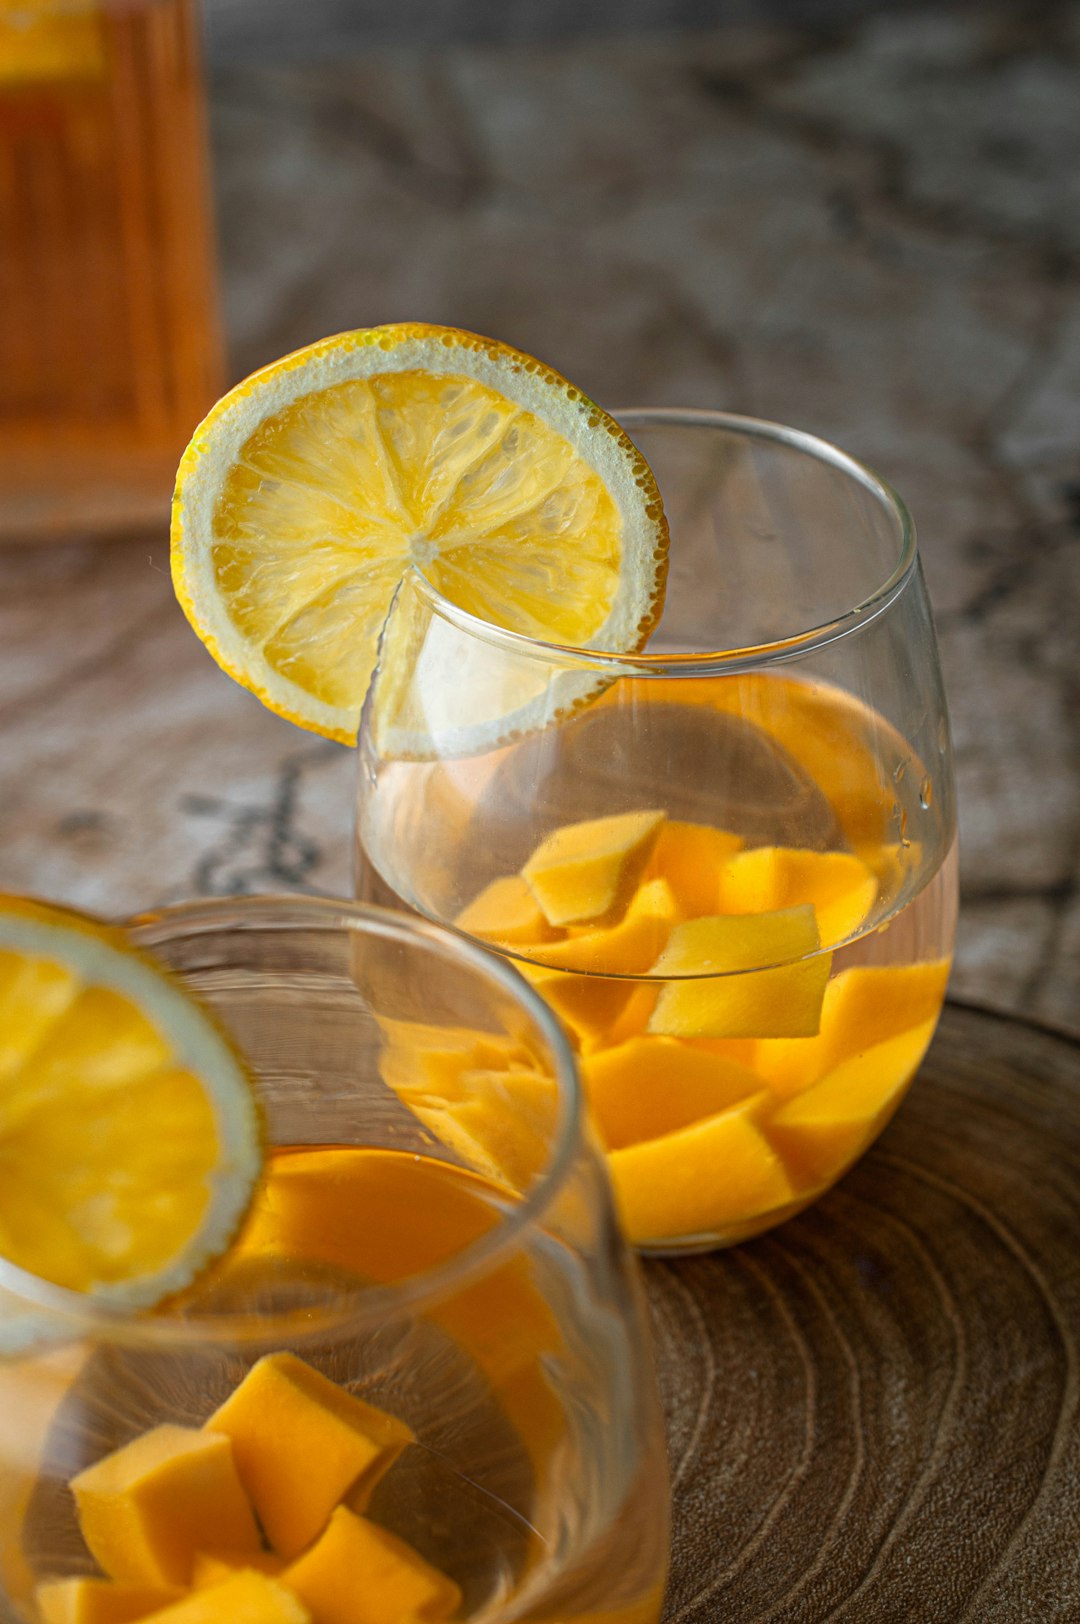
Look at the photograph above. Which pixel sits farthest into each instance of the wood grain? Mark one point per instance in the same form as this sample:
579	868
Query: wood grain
873	1413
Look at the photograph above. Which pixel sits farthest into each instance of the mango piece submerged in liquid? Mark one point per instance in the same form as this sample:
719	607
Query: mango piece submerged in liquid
690	857
629	948
650	1086
588	871
823	1129
246	1597
146	1509
99	1601
358	1573
781	1002
211	1567
499	1122
701	1179
862	1007
840	888
506	911
285	1413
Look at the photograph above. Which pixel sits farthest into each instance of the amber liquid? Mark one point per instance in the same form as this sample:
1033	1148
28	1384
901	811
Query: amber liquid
109	342
520	1487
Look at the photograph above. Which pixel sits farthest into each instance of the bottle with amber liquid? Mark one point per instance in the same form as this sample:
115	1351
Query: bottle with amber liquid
109	340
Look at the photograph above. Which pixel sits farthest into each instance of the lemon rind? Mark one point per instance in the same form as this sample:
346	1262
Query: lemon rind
96	956
595	437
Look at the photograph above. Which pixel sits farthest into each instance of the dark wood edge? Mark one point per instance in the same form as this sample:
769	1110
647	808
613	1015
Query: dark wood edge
1049	1029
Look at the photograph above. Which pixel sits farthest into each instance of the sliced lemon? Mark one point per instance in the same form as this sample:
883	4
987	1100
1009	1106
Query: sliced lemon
313	486
129	1134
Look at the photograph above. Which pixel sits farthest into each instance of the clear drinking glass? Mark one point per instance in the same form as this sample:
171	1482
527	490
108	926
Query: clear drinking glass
727	862
497	1315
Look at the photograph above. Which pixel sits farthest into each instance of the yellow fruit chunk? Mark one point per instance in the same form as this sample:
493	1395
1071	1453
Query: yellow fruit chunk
213	1566
588	871
699	1180
310	491
129	1136
529	1096
146	1509
99	1601
486	1048
500	1123
862	1007
437	1066
841	888
301	1443
589	1006
357	1573
654	1085
741	1050
689	857
724	942
627	948
506	911
630	1022
246	1597
782	1002
822	1130
387	1215
416	1051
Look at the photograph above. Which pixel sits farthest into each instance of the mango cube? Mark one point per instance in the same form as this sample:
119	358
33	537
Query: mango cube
822	1130
841	889
784	1002
507	911
631	1020
588	871
499	1123
146	1509
99	1601
863	1007
725	942
589	1006
213	1566
701	1179
301	1443
628	948
689	856
650	1086
357	1573
246	1597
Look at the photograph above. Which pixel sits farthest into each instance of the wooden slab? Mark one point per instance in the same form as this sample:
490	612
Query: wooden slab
874	1412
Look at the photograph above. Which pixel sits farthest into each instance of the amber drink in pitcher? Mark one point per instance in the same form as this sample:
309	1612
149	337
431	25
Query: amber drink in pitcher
109	343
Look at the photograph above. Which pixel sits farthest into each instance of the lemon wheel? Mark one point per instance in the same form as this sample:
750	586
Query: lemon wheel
130	1140
314	485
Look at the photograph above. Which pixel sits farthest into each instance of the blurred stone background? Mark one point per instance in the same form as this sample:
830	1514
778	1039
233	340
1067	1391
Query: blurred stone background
861	219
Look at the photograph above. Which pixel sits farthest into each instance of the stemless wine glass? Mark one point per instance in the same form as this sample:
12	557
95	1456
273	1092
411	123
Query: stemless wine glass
727	862
491	1319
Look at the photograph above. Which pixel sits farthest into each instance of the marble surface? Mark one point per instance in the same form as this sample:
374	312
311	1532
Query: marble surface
869	228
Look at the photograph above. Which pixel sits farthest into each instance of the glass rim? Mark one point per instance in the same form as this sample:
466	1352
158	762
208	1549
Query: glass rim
72	1313
748	656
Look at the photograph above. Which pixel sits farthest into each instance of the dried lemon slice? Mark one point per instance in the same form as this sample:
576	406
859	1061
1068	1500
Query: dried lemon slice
129	1134
315	485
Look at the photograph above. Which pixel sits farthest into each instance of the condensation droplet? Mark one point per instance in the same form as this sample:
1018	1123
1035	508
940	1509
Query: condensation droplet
926	794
